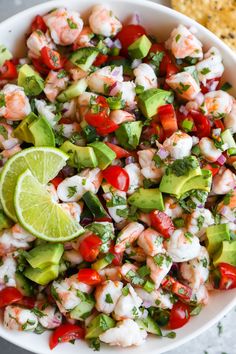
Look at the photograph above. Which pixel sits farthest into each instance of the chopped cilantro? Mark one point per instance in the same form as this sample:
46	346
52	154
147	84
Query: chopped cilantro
226	86
156	58
72	24
144	271
71	191
116	200
220	328
177	38
182	167
227	198
108	299
196	310
125	291
123	213
147	183
135	312
3	132
134	278
200	221
139	89
204	262
38	313
2	100
95	344
171	335
115	103
189	236
183	88
205	71
61	74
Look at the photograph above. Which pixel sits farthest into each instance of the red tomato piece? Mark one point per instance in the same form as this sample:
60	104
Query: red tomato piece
120	152
118	257
89	276
179	315
65	333
158	48
171	69
202	124
107	127
128	35
227	276
162	223
51	58
9	296
56	181
100	60
210	85
182	291
117	177
28	302
90	247
40	67
219	124
168	119
154	129
65	121
214	168
38	24
8	71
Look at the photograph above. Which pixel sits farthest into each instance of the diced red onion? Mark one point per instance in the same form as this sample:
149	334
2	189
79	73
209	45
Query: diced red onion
129	160
108	42
225	212
192	106
183	110
162	153
68	171
9	143
136	63
216	131
221	160
116	162
68	246
117	71
199	98
134	19
212	85
117	44
114	140
115	89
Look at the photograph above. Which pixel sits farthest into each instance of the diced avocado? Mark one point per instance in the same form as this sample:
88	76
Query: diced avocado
104	154
30	80
140	48
231	152
103	262
147	199
83	310
98	325
128	134
94	205
172	184
150	100
80	156
23	284
44	255
226	253
149	325
22	132
5	54
84	57
5	222
228	138
42	276
73	91
216	234
42	132
202	182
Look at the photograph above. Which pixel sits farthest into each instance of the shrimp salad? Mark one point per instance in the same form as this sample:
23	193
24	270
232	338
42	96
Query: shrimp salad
149	132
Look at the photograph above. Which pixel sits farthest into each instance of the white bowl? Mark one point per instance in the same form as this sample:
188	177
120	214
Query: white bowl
158	20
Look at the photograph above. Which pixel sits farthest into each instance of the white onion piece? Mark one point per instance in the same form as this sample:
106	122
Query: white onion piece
199	98
134	19
136	63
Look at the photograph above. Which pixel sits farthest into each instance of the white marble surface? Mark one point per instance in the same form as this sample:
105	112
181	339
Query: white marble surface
220	339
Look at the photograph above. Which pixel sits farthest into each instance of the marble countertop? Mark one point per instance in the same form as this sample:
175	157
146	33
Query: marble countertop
220	339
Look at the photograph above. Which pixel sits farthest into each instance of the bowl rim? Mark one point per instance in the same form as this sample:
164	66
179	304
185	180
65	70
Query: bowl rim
229	52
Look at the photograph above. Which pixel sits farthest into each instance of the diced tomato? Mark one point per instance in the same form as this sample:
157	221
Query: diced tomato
40	67
166	60
8	71
208	86
154	129
120	152
89	276
51	58
214	168
118	257
28	302
179	315
162	223
168	119
202	124
107	127
227	276
171	69
56	181
65	121
65	333
104	219
182	291
219	124
128	35
100	60
117	177
90	247
38	24
9	296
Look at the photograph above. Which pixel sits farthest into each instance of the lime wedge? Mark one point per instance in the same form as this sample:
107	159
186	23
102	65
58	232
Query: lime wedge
43	162
39	214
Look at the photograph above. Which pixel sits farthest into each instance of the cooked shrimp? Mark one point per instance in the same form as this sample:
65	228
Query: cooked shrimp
145	76
84	39
67	130
7	271
208	150
136	253
127	91
119	116
72	256
7	141
200	296
135	177
128	305
6	154
217	103
103	21
36	41
127	271
184	44
53	192
51	317
230	119
196	271
211	66
84	103
102	80
111	273
116	211
54	84
71	189
128	235
94	177
74	209
69	109
107	295
179	145
199	220
16	103
172	208
184	84
64	25
17	318
156	298
125	334
183	246
151	242
148	166
159	266
223	182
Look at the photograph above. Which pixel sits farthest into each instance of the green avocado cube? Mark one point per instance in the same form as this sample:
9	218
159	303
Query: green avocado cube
45	255
140	48
216	234
42	276
98	325
226	254
202	182
5	54
150	100
30	80
128	134
84	57
147	199
104	154
42	132
80	156
22	132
